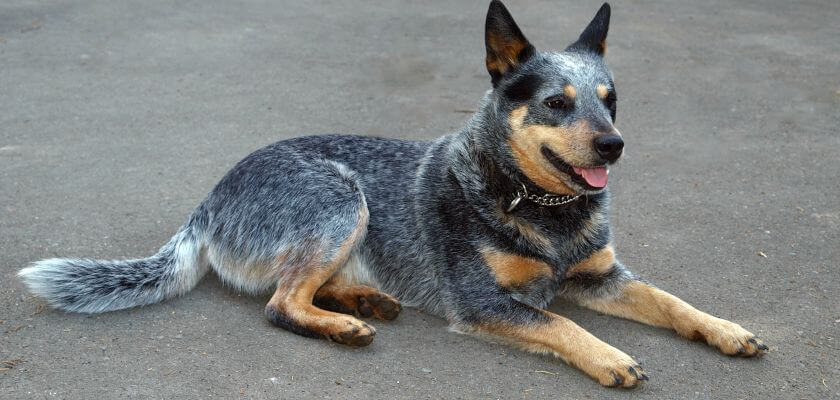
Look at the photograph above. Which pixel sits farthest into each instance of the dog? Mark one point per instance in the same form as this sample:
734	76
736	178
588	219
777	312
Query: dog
484	227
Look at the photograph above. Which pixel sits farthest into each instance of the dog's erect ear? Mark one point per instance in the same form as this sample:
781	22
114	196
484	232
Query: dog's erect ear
507	47
594	37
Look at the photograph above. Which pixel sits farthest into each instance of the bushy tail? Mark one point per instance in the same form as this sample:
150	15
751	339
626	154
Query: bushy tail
94	286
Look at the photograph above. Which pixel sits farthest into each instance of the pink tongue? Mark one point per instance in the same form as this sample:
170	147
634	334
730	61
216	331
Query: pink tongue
595	177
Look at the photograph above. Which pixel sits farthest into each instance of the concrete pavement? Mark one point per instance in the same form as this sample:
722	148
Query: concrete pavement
116	118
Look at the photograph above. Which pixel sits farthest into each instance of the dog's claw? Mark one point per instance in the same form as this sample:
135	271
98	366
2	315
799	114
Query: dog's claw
638	372
758	344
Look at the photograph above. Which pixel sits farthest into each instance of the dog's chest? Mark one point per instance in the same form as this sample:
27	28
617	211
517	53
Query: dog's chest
562	242
542	272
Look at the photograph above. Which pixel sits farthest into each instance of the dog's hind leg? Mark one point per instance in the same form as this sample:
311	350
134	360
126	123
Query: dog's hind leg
287	220
302	272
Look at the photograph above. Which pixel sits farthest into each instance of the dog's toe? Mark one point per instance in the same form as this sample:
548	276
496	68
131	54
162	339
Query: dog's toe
615	369
731	339
356	333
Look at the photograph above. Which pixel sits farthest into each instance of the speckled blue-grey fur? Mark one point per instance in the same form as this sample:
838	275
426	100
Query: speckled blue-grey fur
91	286
432	207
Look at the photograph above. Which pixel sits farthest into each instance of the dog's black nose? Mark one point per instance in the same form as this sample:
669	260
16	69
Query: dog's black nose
609	147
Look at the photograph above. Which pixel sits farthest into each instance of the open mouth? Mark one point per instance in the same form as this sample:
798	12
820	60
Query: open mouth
592	178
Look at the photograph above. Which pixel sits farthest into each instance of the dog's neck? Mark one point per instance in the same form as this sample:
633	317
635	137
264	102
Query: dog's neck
486	181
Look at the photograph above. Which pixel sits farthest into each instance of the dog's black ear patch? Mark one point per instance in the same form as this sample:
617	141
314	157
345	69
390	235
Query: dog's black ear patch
523	88
507	47
594	37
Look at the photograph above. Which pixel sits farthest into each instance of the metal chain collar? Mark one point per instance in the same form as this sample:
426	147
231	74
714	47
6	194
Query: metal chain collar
548	199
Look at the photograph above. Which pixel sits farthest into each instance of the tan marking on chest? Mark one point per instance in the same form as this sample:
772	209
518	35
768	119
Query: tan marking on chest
598	263
511	270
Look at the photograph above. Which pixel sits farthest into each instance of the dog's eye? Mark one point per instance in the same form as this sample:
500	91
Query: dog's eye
558	103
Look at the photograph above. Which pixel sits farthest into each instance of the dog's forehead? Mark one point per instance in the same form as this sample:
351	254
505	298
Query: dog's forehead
577	69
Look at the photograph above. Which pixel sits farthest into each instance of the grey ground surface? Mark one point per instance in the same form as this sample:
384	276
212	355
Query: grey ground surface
116	118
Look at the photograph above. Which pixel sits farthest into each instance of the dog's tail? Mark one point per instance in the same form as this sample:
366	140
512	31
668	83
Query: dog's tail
94	286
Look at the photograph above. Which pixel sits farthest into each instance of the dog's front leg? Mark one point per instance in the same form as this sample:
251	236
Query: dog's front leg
642	302
601	283
541	331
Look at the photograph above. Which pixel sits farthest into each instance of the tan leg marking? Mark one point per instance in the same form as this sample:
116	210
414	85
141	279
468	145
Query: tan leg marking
574	345
598	263
511	270
293	297
572	144
359	300
644	303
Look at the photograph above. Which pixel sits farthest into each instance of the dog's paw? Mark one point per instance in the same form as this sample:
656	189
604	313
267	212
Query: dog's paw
379	305
361	301
730	338
353	333
612	368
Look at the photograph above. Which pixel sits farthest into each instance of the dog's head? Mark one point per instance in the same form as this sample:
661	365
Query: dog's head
555	110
